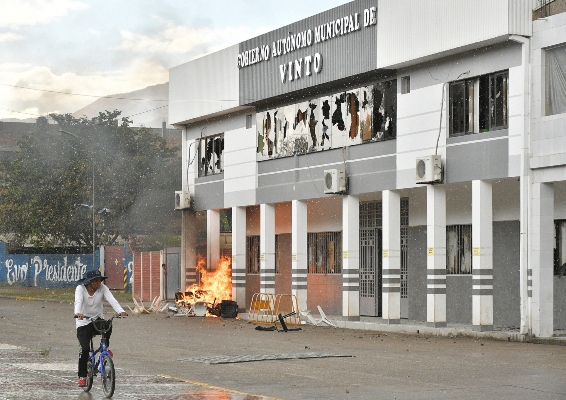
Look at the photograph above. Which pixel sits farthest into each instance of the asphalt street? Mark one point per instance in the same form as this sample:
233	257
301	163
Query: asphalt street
159	356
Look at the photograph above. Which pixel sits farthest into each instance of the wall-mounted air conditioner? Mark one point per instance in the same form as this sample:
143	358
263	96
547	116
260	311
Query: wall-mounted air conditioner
182	200
334	181
428	169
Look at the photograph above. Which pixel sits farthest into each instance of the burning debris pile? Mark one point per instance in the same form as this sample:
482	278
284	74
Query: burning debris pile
211	295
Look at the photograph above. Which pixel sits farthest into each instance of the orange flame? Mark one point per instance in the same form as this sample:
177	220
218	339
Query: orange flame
215	285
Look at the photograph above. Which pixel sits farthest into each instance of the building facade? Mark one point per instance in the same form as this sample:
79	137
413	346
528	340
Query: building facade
387	158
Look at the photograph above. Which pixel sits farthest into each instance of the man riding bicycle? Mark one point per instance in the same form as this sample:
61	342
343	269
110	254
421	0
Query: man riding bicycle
89	296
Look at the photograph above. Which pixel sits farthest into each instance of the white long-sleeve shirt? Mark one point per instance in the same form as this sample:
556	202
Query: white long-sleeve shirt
91	306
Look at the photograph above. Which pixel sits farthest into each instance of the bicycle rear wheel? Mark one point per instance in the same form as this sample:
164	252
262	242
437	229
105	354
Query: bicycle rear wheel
108	378
89	376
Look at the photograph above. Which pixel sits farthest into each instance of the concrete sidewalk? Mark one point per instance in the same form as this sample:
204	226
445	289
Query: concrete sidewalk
411	327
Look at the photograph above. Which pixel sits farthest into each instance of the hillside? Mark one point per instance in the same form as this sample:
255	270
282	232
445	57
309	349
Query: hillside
148	112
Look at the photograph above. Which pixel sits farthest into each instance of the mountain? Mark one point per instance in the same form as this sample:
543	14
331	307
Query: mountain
145	107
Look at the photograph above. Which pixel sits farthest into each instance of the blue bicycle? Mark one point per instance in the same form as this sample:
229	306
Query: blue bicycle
100	360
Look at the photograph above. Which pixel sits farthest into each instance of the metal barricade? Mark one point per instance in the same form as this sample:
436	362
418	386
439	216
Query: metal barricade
266	307
286	304
262	309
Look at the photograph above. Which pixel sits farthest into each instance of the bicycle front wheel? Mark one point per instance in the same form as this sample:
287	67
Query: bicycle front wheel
108	378
89	376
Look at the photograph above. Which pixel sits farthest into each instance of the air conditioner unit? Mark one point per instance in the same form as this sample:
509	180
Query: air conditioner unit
334	181
182	200
428	169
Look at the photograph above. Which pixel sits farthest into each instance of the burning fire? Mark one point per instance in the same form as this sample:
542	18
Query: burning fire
214	285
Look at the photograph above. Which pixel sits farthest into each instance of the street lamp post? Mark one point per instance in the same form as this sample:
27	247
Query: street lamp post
93	225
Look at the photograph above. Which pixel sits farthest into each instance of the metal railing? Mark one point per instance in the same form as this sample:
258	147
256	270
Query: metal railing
543	8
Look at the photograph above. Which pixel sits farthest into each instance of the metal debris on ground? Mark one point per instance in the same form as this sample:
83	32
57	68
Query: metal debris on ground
316	322
259	357
156	306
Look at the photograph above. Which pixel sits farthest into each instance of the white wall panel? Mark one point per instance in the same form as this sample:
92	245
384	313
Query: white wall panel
411	30
548	146
516	117
240	167
204	86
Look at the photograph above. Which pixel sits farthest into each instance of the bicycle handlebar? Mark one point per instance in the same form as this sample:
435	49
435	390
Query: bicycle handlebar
117	315
102	325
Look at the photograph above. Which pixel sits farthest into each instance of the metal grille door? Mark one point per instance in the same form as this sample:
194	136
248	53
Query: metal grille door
404	248
370	259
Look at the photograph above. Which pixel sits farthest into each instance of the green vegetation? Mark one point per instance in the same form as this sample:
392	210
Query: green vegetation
47	192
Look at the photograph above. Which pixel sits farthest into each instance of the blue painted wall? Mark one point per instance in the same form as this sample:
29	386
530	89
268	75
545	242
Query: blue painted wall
44	270
128	268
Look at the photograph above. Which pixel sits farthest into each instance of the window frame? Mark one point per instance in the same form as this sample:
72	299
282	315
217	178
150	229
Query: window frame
253	265
463	254
548	88
316	249
478	106
206	166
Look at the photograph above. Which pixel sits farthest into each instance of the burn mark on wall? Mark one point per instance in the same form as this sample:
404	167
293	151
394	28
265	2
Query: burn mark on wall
337	119
354	109
312	124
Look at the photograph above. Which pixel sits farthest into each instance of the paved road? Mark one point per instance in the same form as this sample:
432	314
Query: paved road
164	357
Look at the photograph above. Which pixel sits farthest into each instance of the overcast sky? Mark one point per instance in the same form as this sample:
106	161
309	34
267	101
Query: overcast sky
104	47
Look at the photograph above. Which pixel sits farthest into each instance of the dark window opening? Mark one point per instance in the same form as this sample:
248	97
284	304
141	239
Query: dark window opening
252	254
324	252
459	249
253	257
560	247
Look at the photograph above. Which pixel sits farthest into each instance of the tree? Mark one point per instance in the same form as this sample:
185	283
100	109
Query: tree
46	192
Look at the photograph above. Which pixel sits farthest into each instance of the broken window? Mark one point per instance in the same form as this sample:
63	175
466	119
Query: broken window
556	80
459	249
211	159
252	254
478	104
324	252
560	247
385	110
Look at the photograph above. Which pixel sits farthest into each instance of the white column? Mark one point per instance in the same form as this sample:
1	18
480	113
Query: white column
351	258
299	252
482	256
542	259
436	256
212	239
239	257
267	248
391	257
188	249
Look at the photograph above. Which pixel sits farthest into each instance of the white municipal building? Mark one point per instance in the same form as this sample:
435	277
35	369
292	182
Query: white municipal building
387	158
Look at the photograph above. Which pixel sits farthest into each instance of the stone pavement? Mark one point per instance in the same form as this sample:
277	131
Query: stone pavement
23	376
